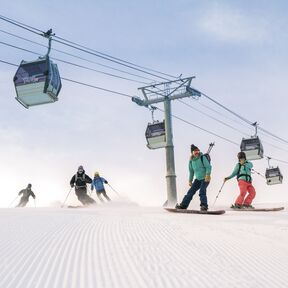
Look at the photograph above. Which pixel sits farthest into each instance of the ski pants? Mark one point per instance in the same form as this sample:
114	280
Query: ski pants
82	196
200	185
23	202
245	187
103	192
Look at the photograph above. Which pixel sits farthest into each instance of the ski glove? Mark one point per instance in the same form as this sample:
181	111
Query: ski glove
106	182
207	178
190	183
72	185
226	179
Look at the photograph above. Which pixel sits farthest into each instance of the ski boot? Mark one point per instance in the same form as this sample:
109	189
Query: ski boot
236	206
247	206
178	206
203	208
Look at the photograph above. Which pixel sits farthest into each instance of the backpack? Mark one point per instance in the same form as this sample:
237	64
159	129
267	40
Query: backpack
207	155
82	177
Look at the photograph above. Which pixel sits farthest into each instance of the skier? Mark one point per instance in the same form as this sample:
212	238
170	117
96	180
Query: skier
27	192
243	172
79	180
97	182
200	167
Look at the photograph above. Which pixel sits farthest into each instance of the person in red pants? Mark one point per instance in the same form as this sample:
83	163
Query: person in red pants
242	171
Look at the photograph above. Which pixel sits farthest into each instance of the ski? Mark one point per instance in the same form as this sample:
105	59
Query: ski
258	209
211	212
75	206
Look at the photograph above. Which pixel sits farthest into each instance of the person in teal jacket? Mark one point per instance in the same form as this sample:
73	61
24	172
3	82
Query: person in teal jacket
243	172
200	170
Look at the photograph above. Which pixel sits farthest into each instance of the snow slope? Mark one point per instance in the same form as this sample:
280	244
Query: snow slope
124	245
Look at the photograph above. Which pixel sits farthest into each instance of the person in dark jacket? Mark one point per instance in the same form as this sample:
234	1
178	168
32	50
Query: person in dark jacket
98	183
26	193
200	170
79	180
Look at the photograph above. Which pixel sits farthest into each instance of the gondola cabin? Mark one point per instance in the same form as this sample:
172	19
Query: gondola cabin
37	82
155	135
273	176
252	147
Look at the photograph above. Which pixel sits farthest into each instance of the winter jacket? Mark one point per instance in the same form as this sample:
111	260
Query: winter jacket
27	193
98	183
80	180
199	169
243	172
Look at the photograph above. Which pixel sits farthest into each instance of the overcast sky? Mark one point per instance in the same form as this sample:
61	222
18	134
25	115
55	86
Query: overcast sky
236	49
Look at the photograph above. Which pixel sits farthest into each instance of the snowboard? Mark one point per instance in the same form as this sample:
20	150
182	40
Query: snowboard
188	211
258	209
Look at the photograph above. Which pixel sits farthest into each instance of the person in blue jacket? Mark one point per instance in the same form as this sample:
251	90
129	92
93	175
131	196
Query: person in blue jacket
98	183
199	170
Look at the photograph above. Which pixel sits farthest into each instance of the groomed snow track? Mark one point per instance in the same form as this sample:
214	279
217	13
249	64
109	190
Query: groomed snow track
129	246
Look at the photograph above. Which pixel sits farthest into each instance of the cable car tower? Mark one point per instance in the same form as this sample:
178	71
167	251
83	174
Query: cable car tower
166	92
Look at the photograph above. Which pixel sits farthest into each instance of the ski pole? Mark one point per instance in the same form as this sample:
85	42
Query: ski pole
66	198
90	191
13	201
113	189
34	203
218	193
254	171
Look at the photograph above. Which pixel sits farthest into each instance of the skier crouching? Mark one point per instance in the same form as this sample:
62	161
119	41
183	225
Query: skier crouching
27	192
98	183
79	180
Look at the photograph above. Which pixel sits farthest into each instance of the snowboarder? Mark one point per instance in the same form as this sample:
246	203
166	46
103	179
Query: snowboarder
243	172
79	180
200	167
97	182
27	192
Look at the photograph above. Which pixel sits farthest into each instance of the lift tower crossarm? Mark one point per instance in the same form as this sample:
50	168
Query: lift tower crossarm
188	79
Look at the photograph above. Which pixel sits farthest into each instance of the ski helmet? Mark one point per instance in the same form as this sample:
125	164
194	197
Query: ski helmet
80	169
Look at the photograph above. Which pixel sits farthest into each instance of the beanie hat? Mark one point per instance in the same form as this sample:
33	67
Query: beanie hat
193	148
241	155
